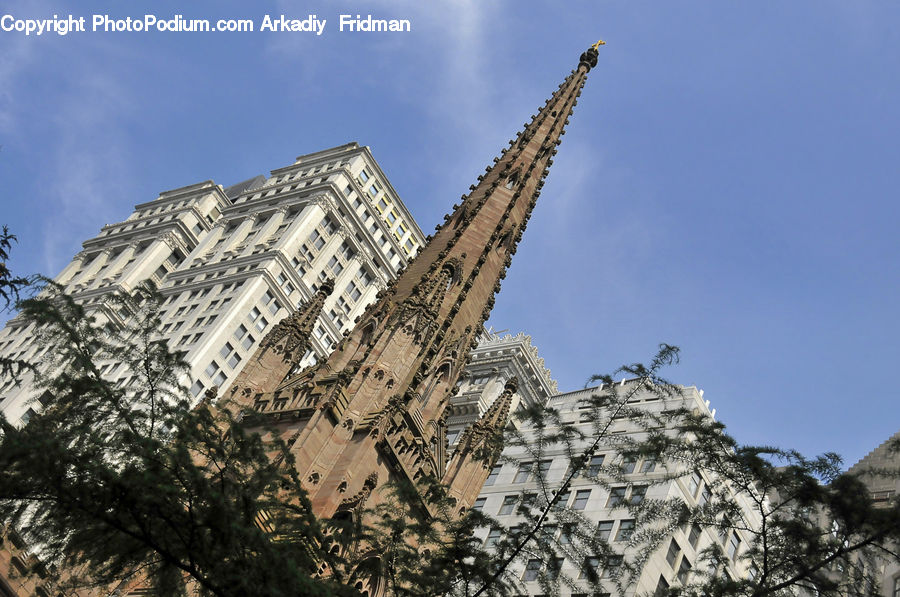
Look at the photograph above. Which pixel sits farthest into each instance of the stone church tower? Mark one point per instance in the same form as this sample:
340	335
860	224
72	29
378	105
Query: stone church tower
375	410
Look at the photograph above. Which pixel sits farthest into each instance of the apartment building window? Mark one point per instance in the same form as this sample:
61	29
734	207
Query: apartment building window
616	497
213	371
638	492
346	251
734	546
328	225
298	266
230	355
492	476
704	496
626	529
528	501
270	302
611	566
565	535
684	571
628	465
409	245
694	536
284	283
196	389
391	217
257	319
595	465
672	553
246	339
563	499
523	473
335	265
662	588
604	529
316	240
353	291
401	230
363	176
509	502
364	278
381	205
589	568
479	504
532	569
343	305
493	537
581	499
694	484
373	190
648	466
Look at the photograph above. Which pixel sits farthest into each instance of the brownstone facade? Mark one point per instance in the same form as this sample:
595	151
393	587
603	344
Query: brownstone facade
375	410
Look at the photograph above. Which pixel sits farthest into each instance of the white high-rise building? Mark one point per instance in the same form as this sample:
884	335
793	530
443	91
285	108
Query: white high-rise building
591	508
231	262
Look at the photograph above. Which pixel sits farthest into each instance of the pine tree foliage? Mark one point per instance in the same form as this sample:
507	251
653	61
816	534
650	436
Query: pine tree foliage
125	482
12	288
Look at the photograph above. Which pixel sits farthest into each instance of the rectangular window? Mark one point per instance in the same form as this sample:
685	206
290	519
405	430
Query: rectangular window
611	566
509	502
353	291
648	466
316	240
479	504
553	568
662	588
211	369
523	473
527	504
694	536
565	536
628	465
626	529
363	175
589	569
684	571
604	529
694	484
581	499
616	497
492	476
532	569
704	496
672	553
595	465
638	492
493	537
196	389
563	499
734	546
335	265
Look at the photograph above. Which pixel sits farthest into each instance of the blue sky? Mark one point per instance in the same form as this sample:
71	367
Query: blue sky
728	181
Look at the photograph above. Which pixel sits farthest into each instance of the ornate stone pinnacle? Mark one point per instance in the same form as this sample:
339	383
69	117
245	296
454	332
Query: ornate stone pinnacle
326	287
588	58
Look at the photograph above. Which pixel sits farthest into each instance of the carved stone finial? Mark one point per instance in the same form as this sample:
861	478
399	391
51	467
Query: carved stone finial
588	58
326	287
511	385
